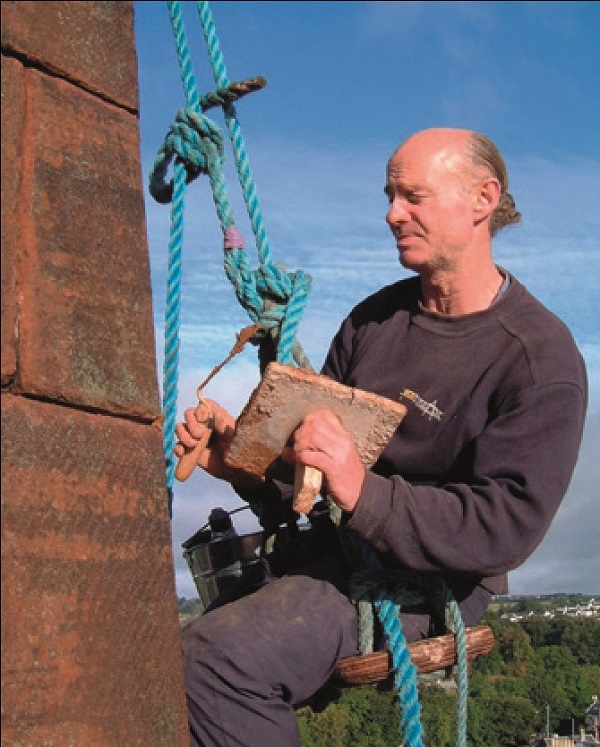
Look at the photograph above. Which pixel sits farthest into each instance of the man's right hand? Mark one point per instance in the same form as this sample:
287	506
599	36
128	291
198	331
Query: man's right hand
212	458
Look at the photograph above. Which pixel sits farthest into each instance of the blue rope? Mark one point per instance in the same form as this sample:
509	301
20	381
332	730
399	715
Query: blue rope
372	586
273	298
174	192
172	342
288	293
454	622
377	589
404	671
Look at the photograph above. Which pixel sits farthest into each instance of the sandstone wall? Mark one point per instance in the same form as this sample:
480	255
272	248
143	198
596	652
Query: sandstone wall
90	635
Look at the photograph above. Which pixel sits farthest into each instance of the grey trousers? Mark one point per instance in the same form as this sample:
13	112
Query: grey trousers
250	662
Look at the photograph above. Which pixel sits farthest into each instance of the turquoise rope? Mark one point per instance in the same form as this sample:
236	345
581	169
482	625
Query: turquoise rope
176	193
172	341
375	588
372	585
273	298
454	622
290	290
404	671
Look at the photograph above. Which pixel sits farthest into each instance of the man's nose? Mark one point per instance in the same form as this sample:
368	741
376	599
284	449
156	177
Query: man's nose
397	212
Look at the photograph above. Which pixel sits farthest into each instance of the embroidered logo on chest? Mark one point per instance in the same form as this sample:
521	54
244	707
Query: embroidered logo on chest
430	409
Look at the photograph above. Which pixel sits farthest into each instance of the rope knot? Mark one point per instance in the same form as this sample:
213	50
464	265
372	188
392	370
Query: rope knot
193	140
274	298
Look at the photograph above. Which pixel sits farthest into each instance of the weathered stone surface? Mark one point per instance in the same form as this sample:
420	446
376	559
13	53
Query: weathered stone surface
13	122
85	333
90	43
90	638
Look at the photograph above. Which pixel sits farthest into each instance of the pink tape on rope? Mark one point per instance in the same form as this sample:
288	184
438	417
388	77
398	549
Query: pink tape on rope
233	239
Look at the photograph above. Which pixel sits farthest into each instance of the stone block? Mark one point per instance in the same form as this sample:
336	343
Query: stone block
90	638
89	43
13	125
285	395
86	333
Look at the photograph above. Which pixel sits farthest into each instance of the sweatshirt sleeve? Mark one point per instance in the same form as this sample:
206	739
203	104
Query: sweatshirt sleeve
520	467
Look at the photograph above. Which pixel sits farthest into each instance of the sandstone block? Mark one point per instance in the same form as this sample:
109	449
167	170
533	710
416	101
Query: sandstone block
13	124
86	333
90	643
285	395
90	43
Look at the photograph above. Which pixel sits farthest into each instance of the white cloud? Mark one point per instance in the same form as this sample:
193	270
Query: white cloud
568	559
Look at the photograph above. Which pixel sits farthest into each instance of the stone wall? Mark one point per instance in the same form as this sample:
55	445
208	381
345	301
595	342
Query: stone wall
90	634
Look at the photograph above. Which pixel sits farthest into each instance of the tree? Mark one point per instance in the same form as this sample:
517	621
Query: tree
515	648
582	637
538	664
438	717
508	721
362	717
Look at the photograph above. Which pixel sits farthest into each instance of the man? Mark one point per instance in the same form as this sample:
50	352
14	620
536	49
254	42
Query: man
469	484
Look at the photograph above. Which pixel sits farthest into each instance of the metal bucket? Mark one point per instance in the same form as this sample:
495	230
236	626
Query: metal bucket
217	562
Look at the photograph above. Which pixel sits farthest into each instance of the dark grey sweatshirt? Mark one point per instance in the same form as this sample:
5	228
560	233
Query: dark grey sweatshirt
472	479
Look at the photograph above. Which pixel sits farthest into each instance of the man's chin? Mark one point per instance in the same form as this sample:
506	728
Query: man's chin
409	260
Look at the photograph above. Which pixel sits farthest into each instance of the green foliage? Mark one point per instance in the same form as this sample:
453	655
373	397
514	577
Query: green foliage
515	649
537	664
580	636
583	640
503	721
364	716
590	676
438	716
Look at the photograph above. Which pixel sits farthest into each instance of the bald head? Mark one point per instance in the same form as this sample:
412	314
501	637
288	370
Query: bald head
440	138
469	156
436	150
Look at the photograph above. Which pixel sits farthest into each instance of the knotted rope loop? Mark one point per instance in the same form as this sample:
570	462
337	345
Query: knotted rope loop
370	585
274	298
195	145
374	588
193	140
381	589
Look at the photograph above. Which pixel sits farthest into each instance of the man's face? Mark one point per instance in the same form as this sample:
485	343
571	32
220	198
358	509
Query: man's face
430	203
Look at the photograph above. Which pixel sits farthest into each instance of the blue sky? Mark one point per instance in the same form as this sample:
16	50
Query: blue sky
346	83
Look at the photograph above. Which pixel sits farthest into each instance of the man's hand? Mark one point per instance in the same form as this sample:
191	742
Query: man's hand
323	442
212	459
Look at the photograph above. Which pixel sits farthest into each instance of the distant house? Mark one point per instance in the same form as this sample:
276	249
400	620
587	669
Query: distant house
592	719
589	735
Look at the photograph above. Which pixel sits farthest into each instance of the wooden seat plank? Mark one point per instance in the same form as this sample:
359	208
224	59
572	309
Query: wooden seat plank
428	655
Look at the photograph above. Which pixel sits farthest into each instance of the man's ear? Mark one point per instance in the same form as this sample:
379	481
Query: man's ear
486	196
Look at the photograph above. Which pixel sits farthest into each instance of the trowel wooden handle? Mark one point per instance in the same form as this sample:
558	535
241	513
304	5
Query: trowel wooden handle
307	486
190	459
